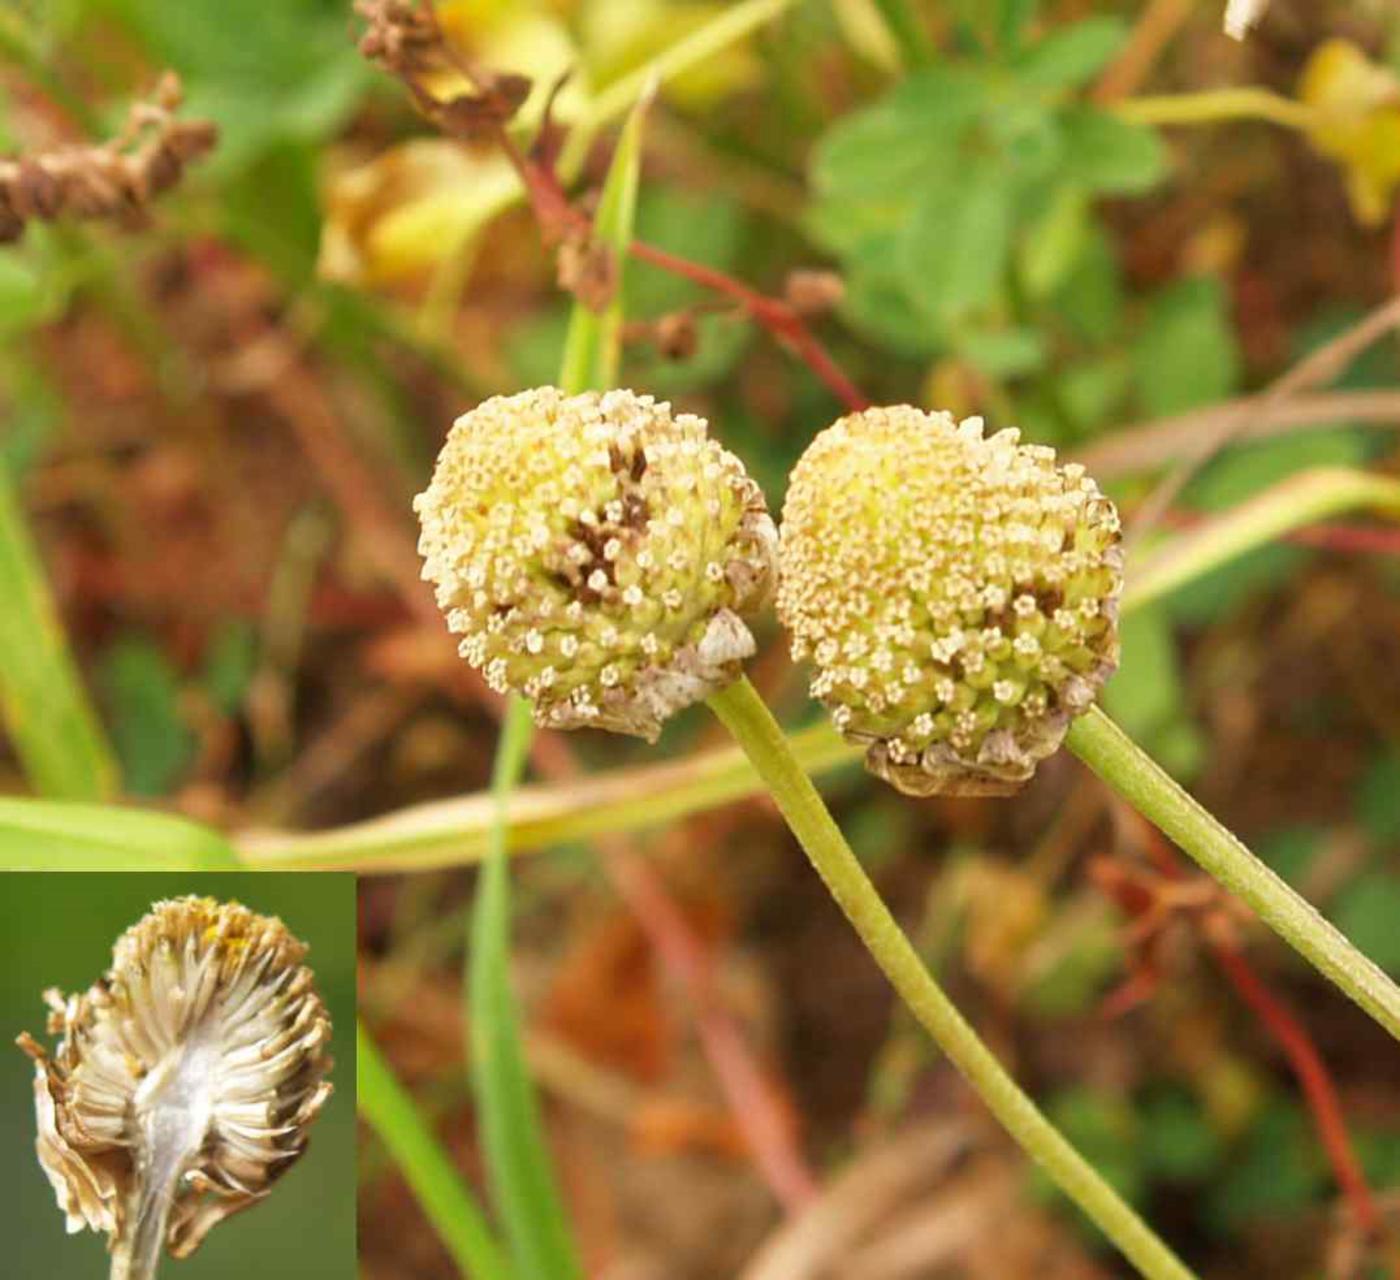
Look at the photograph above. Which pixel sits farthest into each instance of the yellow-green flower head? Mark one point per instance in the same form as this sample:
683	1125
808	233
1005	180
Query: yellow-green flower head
595	552
957	594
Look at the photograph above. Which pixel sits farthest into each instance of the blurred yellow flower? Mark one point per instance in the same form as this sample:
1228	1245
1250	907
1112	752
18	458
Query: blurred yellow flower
394	219
1355	110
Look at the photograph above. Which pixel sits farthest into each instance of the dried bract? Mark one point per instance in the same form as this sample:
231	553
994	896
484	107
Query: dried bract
595	552
184	1080
958	595
115	181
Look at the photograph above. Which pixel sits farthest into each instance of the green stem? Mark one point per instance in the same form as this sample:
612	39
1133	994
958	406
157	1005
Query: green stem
746	716
915	46
448	1204
1120	762
1243	103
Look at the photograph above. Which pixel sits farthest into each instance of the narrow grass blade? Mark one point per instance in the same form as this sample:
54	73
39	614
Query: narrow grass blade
56	835
593	347
444	1198
517	1159
42	701
1300	500
522	1177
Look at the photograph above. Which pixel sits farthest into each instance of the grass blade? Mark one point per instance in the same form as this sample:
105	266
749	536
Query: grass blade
522	1177
56	835
593	347
517	1159
46	711
445	1199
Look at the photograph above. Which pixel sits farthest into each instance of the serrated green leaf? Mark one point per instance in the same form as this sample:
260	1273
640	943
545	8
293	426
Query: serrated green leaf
54	835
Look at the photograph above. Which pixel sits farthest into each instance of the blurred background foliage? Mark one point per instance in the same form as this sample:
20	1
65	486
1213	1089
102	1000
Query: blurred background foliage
214	427
58	931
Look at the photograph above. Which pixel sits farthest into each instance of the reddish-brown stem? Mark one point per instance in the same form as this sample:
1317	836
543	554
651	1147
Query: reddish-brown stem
752	1098
1304	1058
556	216
1312	1076
773	314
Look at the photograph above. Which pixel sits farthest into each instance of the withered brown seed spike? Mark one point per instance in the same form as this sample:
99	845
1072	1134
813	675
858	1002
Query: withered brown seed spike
113	181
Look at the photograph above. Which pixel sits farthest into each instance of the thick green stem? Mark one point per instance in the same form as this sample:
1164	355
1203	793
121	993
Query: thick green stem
1145	785
747	717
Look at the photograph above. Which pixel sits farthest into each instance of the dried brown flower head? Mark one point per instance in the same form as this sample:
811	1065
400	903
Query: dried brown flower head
116	180
184	1081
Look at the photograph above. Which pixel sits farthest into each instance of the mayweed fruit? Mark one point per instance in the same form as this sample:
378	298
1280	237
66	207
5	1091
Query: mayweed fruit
184	1081
957	594
595	552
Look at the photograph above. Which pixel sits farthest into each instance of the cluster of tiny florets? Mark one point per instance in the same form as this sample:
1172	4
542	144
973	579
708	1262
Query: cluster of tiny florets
957	594
595	553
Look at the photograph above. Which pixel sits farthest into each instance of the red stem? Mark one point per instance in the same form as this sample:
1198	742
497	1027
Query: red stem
1312	1074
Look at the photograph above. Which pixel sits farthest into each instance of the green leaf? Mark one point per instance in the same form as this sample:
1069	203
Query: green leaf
1147	696
1186	354
22	298
1110	155
517	1159
52	835
1052	243
593	346
142	696
1367	911
43	704
954	253
1069	57
445	1199
290	72
1378	804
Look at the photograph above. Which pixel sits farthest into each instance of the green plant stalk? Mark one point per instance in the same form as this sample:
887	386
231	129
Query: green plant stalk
1247	102
456	832
445	1199
1145	785
1300	500
746	716
43	704
452	832
517	1160
915	47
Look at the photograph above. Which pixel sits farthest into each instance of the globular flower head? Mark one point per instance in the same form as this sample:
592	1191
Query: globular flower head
958	595
184	1080
595	552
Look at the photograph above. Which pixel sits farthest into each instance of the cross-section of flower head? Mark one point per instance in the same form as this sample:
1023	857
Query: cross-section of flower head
958	595
184	1080
596	553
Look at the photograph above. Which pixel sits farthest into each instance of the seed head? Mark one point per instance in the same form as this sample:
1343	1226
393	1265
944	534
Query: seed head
595	552
184	1080
957	594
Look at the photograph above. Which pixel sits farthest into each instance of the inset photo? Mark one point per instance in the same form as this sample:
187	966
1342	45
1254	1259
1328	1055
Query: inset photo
182	1081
